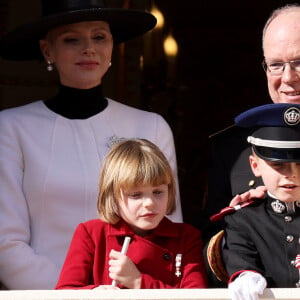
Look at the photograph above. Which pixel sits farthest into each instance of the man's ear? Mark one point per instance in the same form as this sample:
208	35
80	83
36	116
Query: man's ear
254	165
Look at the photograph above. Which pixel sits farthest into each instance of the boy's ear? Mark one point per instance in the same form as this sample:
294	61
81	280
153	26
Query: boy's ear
254	165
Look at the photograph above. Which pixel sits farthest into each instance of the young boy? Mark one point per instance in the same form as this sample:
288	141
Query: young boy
262	239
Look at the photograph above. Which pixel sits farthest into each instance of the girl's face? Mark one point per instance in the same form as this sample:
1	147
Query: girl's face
281	179
143	207
81	52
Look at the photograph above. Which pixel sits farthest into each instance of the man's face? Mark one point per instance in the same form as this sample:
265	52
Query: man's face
281	44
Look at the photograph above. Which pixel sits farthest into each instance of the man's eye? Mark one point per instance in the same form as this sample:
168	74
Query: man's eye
296	64
275	66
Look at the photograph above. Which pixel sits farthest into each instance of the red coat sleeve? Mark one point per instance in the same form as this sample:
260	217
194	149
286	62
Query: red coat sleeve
78	266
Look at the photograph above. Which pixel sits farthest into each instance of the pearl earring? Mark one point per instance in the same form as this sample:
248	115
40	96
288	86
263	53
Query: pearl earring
49	66
109	64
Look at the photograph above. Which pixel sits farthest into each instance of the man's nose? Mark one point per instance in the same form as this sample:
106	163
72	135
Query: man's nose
289	74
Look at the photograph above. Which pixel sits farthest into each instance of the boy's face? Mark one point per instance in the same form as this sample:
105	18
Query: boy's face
281	179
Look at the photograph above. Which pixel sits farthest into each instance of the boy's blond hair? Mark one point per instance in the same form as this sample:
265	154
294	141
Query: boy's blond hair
132	163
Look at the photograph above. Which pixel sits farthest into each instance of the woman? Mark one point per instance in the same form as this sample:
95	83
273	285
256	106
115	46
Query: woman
51	151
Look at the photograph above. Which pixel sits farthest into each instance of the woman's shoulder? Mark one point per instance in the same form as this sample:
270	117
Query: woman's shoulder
121	109
23	111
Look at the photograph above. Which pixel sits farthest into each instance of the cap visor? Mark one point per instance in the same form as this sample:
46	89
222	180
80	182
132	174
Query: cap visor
277	154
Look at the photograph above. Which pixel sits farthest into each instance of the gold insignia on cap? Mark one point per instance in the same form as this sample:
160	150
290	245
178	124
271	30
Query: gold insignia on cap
292	116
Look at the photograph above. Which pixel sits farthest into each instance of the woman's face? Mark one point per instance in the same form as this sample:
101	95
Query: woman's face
81	52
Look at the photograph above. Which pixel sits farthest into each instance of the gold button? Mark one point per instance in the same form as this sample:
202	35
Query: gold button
251	182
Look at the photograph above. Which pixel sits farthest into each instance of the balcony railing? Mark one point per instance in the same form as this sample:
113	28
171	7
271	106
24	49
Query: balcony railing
144	294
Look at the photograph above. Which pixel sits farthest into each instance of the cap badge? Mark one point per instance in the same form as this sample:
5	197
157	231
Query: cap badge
278	207
292	116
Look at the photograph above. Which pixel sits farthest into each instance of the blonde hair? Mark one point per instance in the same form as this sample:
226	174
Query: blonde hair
128	164
277	12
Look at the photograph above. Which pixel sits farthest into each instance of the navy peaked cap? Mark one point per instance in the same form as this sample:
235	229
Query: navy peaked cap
276	131
281	114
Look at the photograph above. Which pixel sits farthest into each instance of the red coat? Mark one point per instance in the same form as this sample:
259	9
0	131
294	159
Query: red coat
86	263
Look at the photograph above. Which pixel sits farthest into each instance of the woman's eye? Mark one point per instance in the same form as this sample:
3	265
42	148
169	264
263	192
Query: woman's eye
70	40
99	37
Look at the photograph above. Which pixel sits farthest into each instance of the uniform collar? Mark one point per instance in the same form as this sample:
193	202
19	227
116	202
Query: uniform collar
281	207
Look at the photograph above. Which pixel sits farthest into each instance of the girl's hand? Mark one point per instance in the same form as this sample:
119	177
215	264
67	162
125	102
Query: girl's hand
106	287
123	270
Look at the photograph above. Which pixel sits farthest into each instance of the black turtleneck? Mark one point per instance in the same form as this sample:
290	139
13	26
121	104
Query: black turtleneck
77	103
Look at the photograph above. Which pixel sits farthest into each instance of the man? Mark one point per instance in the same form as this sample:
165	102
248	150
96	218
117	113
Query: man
230	173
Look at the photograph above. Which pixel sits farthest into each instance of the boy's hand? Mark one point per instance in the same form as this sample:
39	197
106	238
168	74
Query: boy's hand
247	286
123	270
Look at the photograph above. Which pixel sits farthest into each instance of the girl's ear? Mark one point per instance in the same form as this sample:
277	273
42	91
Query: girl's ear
254	165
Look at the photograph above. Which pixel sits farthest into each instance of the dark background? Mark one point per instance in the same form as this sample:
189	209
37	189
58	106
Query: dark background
217	74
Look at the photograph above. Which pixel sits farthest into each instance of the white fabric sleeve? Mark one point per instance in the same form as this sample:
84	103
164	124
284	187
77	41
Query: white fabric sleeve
20	266
247	286
165	141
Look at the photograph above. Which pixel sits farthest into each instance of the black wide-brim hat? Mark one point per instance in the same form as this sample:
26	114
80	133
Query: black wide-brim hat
23	42
276	131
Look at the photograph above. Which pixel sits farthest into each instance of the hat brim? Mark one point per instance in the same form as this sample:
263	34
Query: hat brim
125	24
283	155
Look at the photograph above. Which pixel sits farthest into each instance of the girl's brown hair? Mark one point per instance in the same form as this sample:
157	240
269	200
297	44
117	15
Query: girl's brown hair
132	163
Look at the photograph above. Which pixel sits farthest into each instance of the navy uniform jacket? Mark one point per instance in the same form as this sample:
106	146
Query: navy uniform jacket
260	239
229	174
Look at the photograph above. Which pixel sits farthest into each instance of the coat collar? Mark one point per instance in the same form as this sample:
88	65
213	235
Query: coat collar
165	228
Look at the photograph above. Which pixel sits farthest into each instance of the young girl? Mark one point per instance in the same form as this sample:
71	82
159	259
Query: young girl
137	190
